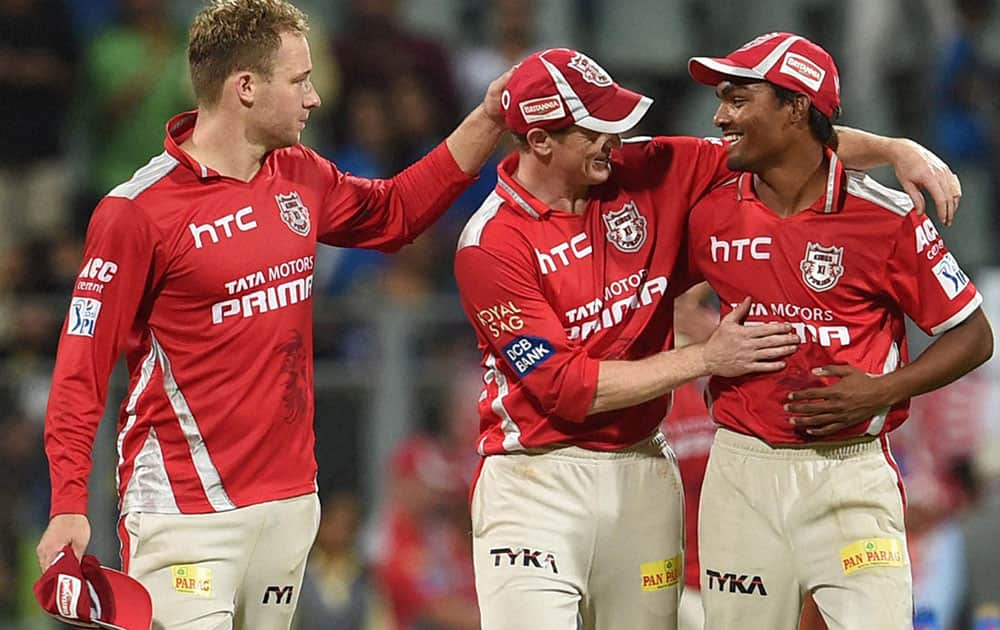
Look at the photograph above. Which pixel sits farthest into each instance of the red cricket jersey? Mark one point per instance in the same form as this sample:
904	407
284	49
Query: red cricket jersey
205	283
843	272
551	293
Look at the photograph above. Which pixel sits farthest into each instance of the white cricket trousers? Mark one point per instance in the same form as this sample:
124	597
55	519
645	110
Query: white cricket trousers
571	536
239	569
777	523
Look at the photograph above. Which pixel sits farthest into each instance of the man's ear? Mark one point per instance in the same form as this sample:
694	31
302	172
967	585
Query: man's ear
539	141
244	83
800	108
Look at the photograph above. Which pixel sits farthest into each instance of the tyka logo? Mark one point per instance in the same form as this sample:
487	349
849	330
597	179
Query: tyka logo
735	583
282	594
534	558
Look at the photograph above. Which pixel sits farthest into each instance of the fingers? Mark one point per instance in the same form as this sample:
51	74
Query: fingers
835	370
779	338
46	553
828	429
806	394
941	197
776	352
764	366
739	312
956	197
916	196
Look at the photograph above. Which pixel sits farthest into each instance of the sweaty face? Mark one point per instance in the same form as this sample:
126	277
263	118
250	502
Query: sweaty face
754	121
282	103
584	156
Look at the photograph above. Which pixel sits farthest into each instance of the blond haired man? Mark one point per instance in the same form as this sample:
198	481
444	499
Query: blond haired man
199	270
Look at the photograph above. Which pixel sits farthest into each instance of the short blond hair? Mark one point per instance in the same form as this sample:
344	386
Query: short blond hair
232	35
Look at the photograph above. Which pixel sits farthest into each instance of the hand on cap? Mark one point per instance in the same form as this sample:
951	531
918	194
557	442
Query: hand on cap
494	93
918	169
63	529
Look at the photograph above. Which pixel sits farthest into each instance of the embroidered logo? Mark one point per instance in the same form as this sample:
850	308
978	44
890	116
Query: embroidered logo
590	71
822	266
293	213
626	228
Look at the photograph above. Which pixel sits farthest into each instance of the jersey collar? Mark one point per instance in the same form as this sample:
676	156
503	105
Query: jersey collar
179	129
832	200
513	193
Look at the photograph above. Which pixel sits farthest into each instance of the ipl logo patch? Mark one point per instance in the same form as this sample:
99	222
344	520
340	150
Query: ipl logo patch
626	228
822	266
293	213
590	71
83	313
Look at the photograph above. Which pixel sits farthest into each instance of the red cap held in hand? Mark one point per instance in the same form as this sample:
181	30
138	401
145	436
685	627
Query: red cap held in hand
84	593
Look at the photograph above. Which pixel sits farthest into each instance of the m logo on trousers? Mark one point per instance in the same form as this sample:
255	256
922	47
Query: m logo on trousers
282	594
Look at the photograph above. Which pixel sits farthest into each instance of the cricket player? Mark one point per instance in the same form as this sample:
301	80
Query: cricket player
200	270
568	273
801	493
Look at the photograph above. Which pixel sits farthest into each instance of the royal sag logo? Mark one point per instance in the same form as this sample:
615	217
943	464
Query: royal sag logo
626	228
822	266
590	71
293	213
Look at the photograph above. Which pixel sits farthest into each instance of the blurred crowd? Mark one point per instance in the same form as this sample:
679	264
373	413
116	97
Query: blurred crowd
87	85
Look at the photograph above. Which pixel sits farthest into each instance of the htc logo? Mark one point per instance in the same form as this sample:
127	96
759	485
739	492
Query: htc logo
737	249
577	247
237	218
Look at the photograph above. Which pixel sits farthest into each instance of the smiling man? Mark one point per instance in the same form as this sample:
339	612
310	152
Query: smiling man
568	273
801	494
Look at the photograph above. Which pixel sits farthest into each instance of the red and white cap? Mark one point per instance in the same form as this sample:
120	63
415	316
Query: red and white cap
555	88
84	593
784	59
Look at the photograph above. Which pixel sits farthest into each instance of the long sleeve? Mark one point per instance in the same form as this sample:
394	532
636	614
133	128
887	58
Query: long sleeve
115	278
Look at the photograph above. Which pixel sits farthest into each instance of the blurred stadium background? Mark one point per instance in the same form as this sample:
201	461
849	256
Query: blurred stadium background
87	85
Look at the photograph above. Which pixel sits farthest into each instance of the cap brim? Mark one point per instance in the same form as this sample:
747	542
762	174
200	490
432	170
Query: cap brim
133	605
619	114
714	70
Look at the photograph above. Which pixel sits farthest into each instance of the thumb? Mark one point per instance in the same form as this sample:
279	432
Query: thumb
739	312
918	197
833	370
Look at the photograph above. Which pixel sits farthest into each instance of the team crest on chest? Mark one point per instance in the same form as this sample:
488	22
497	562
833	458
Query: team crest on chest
293	212
822	266
626	228
590	71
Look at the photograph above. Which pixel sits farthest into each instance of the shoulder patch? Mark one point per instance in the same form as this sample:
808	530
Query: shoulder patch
863	186
154	170
473	230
